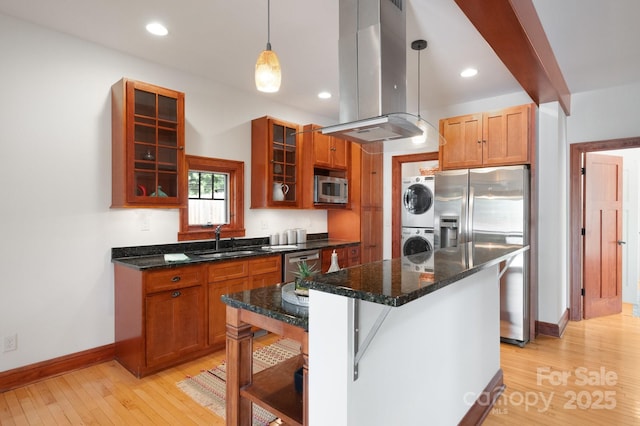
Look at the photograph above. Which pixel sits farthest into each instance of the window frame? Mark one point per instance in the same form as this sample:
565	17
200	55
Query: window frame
235	170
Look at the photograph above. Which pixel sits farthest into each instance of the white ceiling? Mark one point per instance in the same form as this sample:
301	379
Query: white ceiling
595	43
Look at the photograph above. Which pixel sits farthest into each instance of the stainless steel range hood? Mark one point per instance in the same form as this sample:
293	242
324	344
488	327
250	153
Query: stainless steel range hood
372	55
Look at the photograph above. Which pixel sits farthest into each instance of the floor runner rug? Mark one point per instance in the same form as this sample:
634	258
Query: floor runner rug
208	387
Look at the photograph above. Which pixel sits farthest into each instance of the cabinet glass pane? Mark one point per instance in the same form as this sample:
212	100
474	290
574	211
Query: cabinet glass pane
291	195
145	183
167	182
291	137
145	133
145	103
278	134
167	108
167	159
167	137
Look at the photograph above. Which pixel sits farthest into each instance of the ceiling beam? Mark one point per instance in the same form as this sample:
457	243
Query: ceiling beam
513	30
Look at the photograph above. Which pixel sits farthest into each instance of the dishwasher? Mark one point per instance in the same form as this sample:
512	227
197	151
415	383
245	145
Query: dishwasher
291	260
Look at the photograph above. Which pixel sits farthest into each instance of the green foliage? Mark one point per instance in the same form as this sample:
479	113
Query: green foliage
304	270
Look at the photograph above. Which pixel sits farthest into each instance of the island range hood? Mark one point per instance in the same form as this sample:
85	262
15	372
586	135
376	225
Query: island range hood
372	64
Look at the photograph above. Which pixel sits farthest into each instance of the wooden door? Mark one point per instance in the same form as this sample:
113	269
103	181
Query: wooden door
322	149
340	150
505	136
175	324
463	147
218	310
602	263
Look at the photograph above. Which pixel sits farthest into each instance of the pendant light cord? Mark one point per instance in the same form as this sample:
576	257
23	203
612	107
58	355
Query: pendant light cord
419	45
268	24
418	84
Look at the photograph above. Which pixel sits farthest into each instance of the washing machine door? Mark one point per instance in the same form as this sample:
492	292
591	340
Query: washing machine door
418	248
418	204
417	199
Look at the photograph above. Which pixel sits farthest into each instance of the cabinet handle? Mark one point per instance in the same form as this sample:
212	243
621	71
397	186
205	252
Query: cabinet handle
479	141
176	294
175	279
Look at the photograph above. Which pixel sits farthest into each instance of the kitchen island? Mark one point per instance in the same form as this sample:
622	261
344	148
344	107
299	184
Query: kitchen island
384	344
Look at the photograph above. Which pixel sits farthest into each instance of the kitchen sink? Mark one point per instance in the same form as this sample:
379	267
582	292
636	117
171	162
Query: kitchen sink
223	254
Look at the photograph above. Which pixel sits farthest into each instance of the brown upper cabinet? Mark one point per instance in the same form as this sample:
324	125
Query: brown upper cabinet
275	163
322	155
328	152
496	138
147	146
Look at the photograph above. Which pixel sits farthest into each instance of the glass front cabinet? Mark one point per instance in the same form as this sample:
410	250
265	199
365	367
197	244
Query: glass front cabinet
275	163
147	146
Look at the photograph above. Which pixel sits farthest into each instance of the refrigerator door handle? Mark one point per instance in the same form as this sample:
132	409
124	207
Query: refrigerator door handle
470	214
463	223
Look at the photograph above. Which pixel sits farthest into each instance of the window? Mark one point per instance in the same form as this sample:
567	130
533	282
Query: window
208	198
216	197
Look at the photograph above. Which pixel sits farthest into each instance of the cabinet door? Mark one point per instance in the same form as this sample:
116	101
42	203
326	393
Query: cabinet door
229	269
371	238
264	265
340	153
148	145
326	258
506	136
275	164
264	280
371	176
463	147
175	324
322	150
218	310
353	255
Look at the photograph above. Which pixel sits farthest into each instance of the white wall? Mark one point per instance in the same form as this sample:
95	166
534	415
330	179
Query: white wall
604	114
553	270
57	228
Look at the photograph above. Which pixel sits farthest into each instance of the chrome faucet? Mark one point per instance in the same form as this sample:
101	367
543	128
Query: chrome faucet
217	232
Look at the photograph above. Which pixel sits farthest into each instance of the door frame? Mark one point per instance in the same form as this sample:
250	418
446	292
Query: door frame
576	161
396	193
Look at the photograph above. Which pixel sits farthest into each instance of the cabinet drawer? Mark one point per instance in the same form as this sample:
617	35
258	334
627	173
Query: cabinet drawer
353	252
263	265
167	279
220	271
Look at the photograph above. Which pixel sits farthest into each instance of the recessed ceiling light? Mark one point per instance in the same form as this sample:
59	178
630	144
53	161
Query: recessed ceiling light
324	95
157	28
469	72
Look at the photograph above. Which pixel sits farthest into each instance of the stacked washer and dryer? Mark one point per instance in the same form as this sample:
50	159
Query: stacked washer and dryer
418	196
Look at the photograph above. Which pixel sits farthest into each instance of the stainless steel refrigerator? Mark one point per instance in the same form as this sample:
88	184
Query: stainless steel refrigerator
490	205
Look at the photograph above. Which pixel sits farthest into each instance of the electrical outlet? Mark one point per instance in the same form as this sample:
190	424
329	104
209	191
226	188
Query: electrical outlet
264	225
11	343
145	221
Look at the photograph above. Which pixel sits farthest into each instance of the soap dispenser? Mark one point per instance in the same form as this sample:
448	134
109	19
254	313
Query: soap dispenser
334	262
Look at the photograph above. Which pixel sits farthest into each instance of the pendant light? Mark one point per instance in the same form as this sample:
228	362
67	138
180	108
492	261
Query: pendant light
420	139
268	74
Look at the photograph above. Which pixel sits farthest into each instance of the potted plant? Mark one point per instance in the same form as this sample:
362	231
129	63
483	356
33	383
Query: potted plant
304	271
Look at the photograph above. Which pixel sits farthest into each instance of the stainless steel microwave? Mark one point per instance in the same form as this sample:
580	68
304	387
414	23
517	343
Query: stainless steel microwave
330	190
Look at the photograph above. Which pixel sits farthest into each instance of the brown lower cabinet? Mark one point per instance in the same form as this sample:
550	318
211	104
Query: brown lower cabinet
233	276
164	317
347	256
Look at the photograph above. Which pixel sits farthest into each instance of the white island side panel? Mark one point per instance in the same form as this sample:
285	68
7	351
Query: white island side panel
428	362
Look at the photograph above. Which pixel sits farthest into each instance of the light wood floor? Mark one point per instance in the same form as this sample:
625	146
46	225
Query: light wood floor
599	358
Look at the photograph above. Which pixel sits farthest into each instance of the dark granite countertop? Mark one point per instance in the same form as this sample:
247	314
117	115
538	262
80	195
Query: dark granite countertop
396	282
152	257
393	282
268	301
